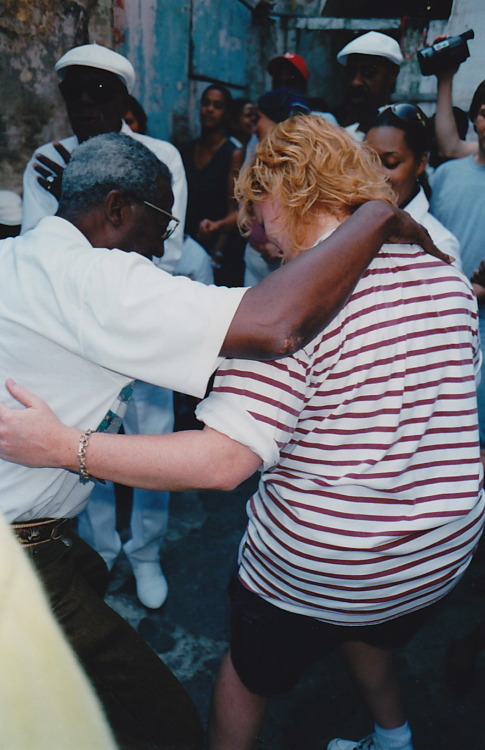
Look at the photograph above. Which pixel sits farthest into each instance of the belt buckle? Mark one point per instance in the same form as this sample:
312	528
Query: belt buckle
30	535
55	529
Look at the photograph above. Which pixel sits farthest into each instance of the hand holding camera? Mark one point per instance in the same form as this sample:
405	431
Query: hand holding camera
445	55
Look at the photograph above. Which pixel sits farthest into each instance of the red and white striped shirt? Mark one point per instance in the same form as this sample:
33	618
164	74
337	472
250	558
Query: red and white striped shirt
370	502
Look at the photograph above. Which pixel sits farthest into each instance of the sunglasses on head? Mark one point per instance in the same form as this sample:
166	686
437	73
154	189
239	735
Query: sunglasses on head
406	112
100	92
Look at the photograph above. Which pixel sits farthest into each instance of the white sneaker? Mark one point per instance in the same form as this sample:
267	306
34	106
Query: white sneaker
151	584
366	744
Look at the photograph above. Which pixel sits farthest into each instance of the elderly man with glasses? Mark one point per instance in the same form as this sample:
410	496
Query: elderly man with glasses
95	84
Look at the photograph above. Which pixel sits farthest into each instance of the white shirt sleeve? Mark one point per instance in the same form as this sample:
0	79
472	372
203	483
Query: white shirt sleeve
195	263
258	404
138	320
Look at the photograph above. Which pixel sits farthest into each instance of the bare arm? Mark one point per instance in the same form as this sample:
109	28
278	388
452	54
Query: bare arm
291	305
449	142
196	459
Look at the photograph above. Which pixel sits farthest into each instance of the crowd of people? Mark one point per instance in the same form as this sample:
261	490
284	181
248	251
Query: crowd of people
272	278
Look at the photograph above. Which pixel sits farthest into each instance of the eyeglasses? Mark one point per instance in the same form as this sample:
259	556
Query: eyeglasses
172	225
99	92
406	112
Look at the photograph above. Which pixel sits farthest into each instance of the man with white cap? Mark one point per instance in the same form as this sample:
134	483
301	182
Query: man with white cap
371	64
95	83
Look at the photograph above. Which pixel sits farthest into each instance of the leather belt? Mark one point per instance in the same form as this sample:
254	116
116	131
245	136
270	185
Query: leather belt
31	533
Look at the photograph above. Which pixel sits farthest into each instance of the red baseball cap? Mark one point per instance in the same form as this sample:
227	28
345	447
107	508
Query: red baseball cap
292	58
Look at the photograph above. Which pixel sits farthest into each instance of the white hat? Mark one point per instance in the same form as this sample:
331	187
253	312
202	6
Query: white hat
97	56
10	208
372	43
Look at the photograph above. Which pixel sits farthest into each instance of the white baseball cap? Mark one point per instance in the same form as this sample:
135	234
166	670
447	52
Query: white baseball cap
97	56
372	43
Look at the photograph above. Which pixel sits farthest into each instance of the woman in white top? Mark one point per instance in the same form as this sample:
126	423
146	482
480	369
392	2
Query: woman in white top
401	138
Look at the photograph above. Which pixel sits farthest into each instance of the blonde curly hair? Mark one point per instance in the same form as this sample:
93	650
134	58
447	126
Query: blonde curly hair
311	167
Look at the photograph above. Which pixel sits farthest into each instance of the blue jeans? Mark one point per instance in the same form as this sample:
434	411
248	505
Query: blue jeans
147	707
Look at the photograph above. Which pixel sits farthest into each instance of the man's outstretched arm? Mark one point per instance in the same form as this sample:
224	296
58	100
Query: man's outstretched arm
293	304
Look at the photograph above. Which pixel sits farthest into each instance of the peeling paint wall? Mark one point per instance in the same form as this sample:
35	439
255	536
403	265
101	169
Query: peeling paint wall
174	46
33	35
318	39
177	46
156	40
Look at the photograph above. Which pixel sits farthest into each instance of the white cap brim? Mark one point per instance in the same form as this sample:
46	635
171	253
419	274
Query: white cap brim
97	56
372	43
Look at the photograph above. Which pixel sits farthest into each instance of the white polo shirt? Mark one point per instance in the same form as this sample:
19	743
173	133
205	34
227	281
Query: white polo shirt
77	324
38	203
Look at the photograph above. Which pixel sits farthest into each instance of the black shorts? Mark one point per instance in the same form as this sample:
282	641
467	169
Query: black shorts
272	648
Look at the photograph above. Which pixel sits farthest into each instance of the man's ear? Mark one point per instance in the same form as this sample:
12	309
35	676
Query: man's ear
116	207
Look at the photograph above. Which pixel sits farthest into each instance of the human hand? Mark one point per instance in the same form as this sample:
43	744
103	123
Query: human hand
478	283
207	228
50	173
478	276
446	74
32	436
407	231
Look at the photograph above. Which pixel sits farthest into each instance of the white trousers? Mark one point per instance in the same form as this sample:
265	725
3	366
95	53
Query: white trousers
150	411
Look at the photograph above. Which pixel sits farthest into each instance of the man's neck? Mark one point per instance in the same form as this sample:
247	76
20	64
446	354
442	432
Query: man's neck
91	226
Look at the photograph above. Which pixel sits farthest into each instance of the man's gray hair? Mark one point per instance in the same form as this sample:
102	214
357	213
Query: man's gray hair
111	161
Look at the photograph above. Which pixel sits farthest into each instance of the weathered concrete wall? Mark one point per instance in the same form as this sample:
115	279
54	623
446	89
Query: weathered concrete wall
177	46
154	36
33	35
318	39
469	14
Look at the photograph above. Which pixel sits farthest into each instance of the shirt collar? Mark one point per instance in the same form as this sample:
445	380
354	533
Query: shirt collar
62	228
418	207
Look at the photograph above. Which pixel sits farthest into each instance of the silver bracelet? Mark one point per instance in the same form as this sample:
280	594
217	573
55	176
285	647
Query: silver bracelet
81	455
